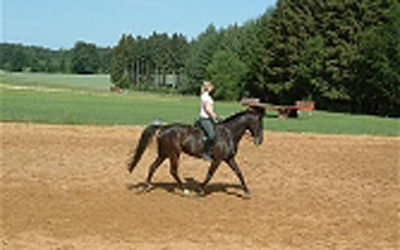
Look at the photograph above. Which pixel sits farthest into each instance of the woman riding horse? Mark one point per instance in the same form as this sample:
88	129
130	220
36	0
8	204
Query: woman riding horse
177	138
208	118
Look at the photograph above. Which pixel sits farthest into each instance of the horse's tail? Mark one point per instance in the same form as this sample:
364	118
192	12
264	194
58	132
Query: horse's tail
144	141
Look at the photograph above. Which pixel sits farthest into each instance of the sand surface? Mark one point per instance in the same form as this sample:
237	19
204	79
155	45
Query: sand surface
67	187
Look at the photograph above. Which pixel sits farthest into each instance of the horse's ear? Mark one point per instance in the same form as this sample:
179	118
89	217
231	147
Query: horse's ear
260	110
254	104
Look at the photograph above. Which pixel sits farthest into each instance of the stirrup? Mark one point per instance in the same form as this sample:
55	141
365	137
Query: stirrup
206	157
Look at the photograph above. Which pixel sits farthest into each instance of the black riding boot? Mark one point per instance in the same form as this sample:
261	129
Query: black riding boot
208	127
208	146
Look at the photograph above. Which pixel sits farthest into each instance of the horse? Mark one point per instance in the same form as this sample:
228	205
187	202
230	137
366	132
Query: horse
173	139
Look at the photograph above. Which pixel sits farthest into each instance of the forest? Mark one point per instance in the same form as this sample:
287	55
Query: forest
343	54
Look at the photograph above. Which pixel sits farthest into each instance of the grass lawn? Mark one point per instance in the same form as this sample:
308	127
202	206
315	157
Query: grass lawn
97	108
71	99
83	82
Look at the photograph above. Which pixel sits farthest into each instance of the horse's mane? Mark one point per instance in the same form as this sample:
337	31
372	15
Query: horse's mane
234	116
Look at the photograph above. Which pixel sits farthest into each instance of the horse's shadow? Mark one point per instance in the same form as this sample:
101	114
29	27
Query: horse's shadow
192	186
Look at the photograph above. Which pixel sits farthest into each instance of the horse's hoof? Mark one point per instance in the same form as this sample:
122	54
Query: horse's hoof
201	192
247	196
144	188
186	192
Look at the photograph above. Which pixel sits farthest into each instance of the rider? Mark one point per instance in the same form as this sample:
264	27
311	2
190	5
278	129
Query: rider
208	117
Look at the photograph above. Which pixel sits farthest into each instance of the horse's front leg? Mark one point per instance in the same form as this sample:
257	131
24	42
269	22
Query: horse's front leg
174	161
214	165
234	166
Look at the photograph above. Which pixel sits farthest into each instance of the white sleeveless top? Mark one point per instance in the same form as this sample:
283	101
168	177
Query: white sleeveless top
205	97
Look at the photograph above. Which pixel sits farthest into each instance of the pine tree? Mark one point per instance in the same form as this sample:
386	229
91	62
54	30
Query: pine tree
376	87
85	59
309	82
341	25
278	47
257	61
200	55
120	69
227	73
179	49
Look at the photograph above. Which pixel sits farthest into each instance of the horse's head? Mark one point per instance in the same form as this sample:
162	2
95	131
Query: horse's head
249	120
256	127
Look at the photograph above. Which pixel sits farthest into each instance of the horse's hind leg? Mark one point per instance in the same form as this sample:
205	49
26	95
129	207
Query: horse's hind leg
214	165
153	167
233	165
174	161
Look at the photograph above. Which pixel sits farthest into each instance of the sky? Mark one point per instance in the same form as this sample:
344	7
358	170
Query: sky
59	24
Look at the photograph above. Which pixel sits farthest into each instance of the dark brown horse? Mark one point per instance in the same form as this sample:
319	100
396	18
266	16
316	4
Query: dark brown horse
176	138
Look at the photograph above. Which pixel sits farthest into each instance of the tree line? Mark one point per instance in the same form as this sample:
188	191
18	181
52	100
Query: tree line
148	61
83	58
344	54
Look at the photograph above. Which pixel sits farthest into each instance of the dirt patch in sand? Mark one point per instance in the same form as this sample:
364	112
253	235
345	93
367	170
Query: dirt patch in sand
67	187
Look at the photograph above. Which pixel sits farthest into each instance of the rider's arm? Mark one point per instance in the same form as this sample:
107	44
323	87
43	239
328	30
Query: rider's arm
209	110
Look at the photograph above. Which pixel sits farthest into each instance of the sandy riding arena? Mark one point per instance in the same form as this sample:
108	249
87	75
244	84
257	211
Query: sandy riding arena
67	187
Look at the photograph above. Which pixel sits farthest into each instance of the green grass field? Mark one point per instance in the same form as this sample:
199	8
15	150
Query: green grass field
83	82
71	99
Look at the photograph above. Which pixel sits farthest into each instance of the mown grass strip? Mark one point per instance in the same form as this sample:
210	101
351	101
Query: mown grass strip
74	107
